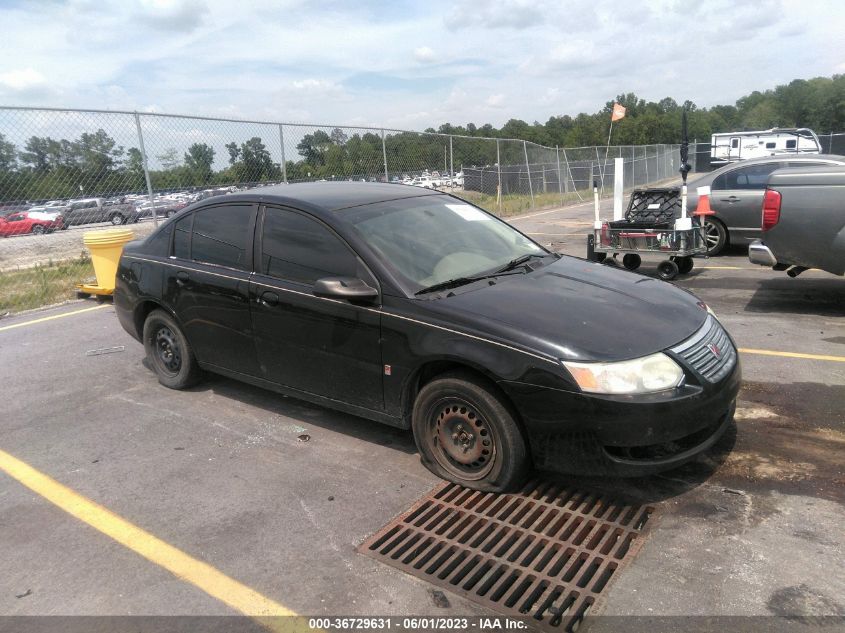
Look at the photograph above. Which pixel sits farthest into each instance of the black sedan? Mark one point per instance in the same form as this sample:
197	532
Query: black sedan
419	310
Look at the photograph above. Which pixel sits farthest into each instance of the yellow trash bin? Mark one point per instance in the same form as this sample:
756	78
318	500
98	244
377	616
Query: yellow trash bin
106	247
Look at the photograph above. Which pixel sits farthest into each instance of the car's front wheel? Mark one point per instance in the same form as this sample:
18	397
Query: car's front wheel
38	230
169	352
466	433
117	219
715	236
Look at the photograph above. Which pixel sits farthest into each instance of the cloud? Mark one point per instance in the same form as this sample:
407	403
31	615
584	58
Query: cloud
23	79
495	101
424	54
495	14
173	15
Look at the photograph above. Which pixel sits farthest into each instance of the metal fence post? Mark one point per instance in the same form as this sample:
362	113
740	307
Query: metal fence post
384	155
528	170
499	170
284	160
451	159
146	168
559	182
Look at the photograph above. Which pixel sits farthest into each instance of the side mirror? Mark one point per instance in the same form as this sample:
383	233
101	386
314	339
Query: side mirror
349	288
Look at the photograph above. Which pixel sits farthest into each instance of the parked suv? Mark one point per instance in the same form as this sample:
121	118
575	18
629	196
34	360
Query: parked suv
90	210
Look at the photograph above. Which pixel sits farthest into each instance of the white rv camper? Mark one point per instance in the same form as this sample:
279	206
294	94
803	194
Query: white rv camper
728	147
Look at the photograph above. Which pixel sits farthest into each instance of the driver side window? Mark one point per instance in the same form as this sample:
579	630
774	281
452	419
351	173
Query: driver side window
295	247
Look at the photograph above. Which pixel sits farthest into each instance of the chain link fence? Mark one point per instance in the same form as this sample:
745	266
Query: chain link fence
63	171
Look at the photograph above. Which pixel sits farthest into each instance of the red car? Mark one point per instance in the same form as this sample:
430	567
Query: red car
22	222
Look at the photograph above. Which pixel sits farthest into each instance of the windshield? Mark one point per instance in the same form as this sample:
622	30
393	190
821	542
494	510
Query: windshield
433	239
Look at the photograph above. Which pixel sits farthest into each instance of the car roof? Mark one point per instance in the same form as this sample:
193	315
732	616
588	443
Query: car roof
330	196
776	158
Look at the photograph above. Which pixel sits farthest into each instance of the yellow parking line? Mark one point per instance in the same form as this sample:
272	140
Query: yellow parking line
50	318
768	352
200	574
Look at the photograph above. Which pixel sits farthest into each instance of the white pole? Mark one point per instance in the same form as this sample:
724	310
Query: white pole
597	223
618	187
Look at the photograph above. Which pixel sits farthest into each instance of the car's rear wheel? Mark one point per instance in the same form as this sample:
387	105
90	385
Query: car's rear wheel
117	219
715	236
169	352
38	230
466	433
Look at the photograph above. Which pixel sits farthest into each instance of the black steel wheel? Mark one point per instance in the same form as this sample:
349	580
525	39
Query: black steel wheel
631	261
169	352
667	270
715	236
466	433
685	264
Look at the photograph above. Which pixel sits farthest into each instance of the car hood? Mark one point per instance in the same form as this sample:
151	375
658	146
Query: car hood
578	310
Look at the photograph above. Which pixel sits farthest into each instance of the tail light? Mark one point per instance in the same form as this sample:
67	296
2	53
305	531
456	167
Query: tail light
771	208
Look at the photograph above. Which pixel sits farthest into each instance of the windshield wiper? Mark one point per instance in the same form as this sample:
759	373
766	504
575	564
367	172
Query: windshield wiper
461	281
520	260
449	283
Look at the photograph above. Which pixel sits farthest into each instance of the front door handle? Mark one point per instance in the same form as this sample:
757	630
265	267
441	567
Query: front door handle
268	299
182	278
730	199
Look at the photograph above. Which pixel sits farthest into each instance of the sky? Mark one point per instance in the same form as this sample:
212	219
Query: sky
406	65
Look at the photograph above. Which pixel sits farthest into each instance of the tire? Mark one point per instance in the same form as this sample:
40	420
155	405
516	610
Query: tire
466	433
169	214
632	261
38	230
667	270
169	352
685	264
117	219
715	236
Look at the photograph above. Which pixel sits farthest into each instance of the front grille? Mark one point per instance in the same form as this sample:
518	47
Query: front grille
709	351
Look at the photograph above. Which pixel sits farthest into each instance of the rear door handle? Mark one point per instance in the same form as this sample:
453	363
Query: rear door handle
730	199
182	278
268	299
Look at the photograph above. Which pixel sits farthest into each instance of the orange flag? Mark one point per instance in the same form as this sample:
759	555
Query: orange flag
618	112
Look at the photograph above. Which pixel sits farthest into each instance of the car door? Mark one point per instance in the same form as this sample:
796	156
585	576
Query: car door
207	284
17	224
327	347
737	198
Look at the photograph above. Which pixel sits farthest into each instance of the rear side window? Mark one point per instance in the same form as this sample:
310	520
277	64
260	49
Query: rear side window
182	237
297	248
751	177
159	242
220	235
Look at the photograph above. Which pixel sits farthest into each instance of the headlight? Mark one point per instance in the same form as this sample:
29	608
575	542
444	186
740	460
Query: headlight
640	375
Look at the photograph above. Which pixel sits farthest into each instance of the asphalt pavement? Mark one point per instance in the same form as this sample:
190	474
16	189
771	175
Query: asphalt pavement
274	494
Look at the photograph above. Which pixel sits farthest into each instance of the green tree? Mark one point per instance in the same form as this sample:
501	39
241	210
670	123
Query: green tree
199	158
169	159
8	155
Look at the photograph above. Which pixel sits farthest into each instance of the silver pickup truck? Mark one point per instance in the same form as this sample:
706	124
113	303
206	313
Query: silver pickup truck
803	221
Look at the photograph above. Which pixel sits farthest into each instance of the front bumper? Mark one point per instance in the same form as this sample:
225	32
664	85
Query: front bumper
581	433
759	253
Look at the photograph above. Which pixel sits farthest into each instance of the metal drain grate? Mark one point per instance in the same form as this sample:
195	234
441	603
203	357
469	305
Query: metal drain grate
545	553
